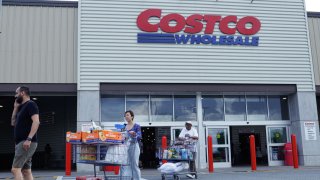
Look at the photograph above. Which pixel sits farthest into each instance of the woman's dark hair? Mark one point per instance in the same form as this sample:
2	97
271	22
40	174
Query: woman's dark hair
131	113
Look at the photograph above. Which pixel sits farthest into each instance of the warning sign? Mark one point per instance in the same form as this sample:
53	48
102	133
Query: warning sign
310	131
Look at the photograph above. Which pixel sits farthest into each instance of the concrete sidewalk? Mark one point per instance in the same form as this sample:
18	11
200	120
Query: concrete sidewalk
237	173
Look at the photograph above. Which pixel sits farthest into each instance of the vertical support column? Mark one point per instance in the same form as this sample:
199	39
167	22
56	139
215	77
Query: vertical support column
201	156
88	109
303	109
210	155
68	159
253	153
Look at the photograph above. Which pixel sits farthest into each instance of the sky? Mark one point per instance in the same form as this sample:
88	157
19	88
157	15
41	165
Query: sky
313	5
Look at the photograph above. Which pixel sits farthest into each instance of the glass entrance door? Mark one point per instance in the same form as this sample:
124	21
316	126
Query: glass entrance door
221	145
277	137
175	132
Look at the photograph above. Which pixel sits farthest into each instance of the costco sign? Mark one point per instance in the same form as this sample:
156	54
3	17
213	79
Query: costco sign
185	29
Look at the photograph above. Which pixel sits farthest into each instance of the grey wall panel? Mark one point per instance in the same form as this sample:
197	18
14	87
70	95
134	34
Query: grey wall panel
109	51
38	45
314	34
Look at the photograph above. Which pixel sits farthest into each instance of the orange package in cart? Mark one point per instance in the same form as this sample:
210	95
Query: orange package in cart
73	137
115	136
103	135
110	136
90	137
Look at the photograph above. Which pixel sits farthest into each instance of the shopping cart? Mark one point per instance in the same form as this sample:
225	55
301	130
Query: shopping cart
102	154
180	151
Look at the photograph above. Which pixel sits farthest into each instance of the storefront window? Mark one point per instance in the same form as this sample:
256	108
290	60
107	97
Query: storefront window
257	108
213	108
166	108
112	108
219	135
140	106
176	133
277	135
277	153
185	108
235	108
278	108
161	108
220	154
220	144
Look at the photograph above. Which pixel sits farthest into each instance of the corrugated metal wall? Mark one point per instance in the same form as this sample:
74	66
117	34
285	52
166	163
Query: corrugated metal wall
38	45
314	34
109	51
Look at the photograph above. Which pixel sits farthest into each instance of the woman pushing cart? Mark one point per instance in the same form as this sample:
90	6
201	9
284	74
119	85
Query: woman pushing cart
133	132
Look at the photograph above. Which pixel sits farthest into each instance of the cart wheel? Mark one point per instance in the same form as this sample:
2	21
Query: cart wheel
163	177
175	177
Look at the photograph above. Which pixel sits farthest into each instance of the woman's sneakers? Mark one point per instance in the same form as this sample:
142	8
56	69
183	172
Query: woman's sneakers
190	176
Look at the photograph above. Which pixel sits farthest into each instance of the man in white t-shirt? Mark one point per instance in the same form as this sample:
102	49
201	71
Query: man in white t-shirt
187	133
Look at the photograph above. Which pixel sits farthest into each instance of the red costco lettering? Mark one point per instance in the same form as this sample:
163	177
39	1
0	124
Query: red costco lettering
143	20
211	21
165	21
224	24
194	23
241	26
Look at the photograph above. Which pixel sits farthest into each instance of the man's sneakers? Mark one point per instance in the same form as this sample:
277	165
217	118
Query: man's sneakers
191	176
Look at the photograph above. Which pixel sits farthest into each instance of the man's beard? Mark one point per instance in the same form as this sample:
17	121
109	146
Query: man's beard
19	99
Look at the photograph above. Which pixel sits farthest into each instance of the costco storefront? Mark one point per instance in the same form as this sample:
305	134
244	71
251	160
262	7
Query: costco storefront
232	67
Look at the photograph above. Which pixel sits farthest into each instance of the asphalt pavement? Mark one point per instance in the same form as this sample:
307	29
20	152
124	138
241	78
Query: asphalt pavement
236	173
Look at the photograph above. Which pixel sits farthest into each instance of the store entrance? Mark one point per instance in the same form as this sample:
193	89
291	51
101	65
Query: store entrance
147	156
240	145
151	142
58	114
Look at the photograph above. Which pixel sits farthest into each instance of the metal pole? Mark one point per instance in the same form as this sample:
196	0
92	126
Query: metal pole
295	151
164	146
210	155
253	153
68	159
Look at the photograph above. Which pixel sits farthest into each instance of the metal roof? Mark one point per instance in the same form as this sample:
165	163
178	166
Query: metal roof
314	14
46	3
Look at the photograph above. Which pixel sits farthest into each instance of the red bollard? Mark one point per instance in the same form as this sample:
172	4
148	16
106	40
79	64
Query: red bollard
253	153
164	146
210	155
295	151
68	159
116	170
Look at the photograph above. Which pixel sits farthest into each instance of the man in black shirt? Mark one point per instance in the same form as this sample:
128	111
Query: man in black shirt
25	119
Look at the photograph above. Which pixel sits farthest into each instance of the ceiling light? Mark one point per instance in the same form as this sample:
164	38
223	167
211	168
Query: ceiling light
1	106
284	98
34	99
